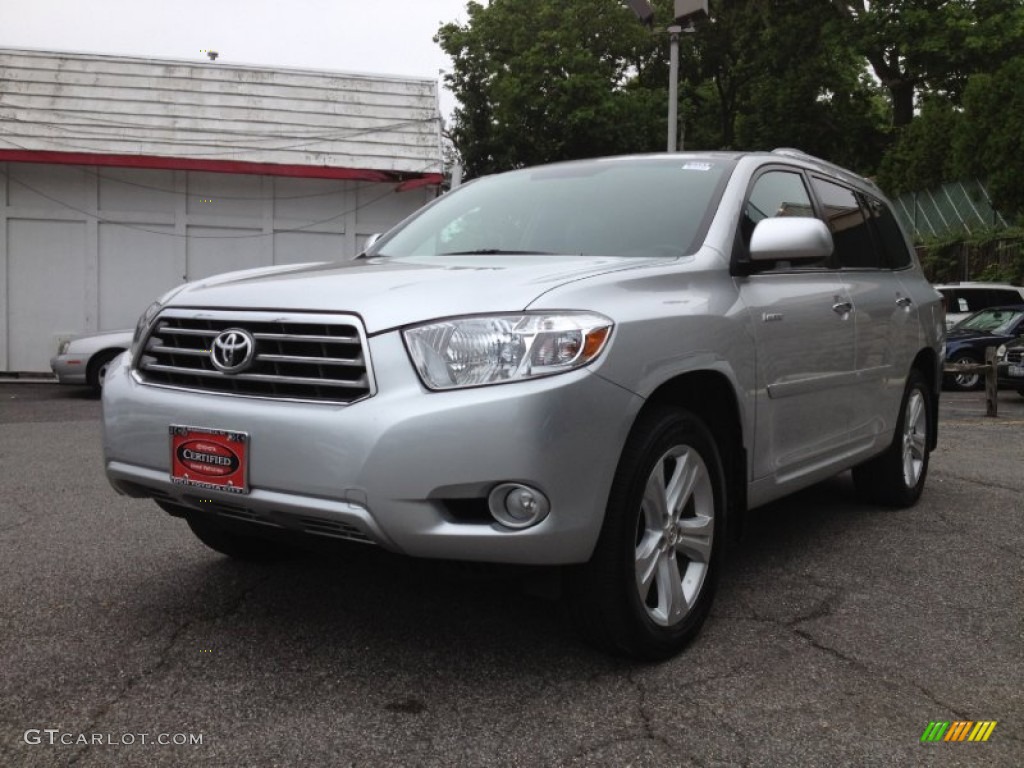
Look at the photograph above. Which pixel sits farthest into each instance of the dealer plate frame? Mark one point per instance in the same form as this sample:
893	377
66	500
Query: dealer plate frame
228	439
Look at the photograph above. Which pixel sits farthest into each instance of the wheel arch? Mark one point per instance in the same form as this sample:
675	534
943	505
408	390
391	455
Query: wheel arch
927	362
97	359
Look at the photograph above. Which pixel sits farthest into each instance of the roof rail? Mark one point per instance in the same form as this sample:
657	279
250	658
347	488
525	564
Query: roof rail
799	154
791	151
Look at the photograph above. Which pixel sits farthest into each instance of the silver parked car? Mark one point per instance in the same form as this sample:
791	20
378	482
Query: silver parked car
85	359
599	365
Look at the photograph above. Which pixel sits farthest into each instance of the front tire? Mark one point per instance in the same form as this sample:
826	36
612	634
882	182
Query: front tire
649	585
965	382
98	367
896	478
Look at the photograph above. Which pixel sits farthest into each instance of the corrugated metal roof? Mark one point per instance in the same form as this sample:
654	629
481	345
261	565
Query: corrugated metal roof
217	113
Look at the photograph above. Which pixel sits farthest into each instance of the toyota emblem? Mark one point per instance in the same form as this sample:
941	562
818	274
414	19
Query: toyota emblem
232	350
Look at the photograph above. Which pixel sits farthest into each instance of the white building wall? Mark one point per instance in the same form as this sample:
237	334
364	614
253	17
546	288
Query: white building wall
72	102
86	249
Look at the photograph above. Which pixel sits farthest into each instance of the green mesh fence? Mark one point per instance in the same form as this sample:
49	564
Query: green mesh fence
960	206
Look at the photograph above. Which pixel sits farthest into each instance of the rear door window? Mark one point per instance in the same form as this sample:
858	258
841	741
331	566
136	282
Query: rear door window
955	301
854	245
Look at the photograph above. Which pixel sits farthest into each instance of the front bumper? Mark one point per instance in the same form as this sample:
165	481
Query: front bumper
1005	380
387	468
70	369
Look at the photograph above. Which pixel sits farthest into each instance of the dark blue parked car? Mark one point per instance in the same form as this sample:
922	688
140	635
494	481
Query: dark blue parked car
1011	366
967	340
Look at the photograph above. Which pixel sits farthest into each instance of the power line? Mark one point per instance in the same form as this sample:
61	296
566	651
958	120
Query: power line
192	153
107	123
313	135
163	190
103	220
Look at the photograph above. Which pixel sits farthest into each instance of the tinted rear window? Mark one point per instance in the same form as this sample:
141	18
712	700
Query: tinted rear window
974	299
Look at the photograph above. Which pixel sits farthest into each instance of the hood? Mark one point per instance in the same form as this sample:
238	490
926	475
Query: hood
961	335
957	339
391	292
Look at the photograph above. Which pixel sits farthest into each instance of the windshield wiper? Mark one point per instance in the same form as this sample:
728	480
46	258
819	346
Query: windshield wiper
495	252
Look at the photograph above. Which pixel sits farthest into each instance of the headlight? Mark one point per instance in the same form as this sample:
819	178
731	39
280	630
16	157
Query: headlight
474	351
63	348
1001	352
143	325
147	318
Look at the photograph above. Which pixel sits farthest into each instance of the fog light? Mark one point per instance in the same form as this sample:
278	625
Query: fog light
518	506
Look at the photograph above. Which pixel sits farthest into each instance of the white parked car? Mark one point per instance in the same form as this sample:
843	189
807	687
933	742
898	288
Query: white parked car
964	299
85	359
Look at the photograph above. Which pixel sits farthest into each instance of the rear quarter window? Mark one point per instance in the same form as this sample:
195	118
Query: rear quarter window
997	296
890	236
974	299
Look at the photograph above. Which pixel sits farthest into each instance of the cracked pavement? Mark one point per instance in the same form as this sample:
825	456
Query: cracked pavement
840	630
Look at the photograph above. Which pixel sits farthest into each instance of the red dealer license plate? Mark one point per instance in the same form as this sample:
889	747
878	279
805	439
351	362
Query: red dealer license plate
215	459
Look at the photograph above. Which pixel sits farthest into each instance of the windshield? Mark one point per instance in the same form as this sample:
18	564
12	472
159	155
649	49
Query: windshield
998	321
615	207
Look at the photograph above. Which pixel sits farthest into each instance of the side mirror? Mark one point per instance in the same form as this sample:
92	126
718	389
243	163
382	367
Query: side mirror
372	239
790	237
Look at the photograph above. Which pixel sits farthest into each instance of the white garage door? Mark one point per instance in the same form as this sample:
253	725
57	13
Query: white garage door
86	249
45	286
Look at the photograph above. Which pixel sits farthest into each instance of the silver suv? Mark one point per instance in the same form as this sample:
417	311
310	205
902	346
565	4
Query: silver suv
599	365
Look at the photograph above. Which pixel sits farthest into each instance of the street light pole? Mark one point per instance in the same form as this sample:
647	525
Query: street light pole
686	13
673	86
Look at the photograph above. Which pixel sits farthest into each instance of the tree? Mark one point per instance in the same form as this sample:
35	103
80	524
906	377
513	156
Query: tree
989	141
542	80
922	156
808	87
931	47
546	80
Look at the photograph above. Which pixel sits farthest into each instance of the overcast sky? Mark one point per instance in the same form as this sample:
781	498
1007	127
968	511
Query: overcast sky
377	36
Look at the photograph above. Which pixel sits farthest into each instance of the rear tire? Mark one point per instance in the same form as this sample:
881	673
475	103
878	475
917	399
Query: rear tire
896	478
649	585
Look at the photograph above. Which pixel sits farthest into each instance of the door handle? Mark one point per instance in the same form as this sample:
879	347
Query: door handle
842	307
904	301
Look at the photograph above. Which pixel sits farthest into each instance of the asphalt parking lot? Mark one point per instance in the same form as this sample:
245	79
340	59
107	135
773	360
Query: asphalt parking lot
840	631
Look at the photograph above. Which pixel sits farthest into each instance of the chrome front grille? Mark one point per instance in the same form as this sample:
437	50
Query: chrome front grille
1015	355
298	356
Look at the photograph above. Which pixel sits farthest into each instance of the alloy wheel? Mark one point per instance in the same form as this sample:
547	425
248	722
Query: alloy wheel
674	535
915	426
